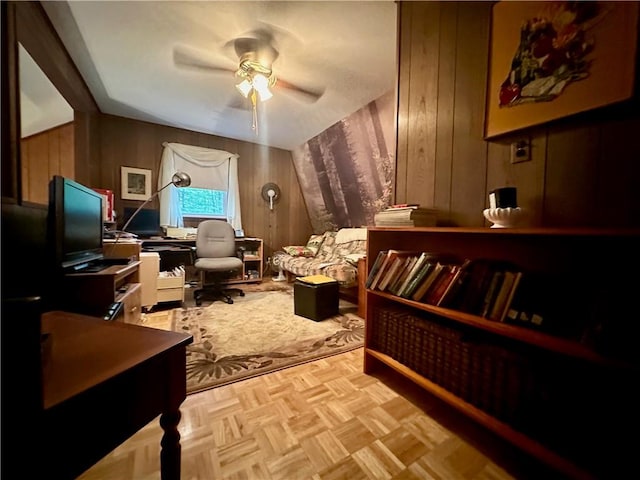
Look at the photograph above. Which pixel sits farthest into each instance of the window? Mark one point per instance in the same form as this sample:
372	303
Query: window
202	202
214	189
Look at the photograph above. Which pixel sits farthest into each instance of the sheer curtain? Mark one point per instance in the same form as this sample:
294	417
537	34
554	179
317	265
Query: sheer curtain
208	168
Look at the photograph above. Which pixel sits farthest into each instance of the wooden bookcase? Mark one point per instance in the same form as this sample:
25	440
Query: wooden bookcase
562	393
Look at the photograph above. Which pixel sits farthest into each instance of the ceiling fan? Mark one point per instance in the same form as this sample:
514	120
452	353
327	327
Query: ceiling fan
256	52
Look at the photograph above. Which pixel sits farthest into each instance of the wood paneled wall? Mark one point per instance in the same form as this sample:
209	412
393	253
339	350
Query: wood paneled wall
584	168
44	155
132	143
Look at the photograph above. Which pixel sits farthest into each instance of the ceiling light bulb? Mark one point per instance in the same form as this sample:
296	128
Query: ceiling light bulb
265	94
244	87
261	84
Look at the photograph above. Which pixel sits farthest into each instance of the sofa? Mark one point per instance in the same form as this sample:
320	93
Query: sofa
332	253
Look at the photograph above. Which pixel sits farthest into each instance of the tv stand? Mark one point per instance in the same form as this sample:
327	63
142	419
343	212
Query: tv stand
91	292
96	266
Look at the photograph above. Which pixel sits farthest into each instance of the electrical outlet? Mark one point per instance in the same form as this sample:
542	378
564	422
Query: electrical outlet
521	151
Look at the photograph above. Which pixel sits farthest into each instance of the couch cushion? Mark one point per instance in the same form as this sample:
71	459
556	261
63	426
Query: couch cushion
299	251
345	235
314	243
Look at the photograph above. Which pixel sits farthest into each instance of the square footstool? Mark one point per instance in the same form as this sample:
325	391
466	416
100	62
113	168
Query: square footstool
315	297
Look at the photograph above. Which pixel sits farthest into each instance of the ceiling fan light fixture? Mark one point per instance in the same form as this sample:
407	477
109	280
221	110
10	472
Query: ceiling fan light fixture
261	84
244	87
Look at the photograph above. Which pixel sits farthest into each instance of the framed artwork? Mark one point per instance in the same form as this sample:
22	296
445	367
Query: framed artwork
548	60
136	183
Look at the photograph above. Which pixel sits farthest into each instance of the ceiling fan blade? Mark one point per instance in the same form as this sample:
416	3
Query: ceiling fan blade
184	58
307	95
238	102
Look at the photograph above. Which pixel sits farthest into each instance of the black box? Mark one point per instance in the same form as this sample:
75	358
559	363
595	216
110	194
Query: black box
316	302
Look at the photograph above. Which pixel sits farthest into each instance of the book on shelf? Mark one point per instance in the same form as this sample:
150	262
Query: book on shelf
381	268
508	277
392	254
527	307
453	267
440	284
375	267
430	260
392	272
405	268
492	293
424	286
454	284
411	273
427	266
511	294
478	283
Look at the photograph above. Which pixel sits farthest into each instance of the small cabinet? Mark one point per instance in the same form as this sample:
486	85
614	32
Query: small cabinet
252	249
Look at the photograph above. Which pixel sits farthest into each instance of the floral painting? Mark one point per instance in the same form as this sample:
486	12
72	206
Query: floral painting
552	59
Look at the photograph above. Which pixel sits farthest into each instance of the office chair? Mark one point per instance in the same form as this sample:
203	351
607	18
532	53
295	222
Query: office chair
216	258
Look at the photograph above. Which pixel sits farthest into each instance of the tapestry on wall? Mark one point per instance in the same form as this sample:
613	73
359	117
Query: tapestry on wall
346	173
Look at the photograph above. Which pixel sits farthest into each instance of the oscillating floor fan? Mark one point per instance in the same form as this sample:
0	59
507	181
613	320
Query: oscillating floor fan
275	266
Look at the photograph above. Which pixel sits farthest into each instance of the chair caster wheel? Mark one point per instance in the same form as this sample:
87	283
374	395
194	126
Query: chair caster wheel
198	303
242	294
229	301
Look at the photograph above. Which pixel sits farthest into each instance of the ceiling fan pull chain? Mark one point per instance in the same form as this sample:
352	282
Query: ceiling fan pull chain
254	123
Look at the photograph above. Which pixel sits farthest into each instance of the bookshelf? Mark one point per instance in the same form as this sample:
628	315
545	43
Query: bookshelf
557	391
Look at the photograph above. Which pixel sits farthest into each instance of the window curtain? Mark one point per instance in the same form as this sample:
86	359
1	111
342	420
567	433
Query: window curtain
208	168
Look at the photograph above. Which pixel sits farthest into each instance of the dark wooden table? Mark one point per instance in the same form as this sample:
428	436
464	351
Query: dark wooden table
102	382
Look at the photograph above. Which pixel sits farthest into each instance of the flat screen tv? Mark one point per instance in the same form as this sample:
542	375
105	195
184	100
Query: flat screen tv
75	224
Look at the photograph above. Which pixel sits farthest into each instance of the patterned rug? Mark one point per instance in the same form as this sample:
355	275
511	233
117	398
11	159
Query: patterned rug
257	334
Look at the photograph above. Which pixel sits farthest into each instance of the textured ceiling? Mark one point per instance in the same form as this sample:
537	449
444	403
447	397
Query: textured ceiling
125	52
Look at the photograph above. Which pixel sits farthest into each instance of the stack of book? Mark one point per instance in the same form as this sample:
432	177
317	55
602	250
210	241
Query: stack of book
405	216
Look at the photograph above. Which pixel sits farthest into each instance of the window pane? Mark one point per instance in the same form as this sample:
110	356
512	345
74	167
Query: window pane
202	202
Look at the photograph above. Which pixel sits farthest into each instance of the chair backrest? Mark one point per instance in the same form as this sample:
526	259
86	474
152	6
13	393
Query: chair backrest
215	239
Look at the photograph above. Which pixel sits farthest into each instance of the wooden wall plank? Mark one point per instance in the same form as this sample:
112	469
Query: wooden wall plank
469	148
571	176
617	198
405	18
43	155
423	104
446	103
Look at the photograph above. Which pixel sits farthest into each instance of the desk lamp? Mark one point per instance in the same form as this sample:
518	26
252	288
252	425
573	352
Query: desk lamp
179	179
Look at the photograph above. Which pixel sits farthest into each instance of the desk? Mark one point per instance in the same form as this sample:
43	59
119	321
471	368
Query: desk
102	382
173	252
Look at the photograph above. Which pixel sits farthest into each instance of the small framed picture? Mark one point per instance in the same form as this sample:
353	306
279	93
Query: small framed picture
136	183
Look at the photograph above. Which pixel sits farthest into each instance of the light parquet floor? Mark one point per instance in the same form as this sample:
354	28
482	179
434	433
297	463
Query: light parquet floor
322	420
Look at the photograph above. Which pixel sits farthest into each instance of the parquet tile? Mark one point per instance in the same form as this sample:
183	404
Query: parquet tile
323	420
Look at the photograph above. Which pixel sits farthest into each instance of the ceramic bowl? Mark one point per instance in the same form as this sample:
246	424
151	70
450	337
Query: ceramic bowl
503	217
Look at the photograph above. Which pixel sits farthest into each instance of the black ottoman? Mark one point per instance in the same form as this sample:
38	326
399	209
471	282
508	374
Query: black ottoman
315	301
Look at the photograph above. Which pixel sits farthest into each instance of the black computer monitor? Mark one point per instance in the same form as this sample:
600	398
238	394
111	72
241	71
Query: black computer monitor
145	224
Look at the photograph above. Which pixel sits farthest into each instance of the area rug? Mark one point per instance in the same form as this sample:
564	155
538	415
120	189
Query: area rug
257	334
